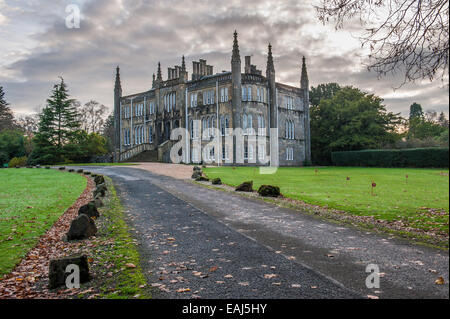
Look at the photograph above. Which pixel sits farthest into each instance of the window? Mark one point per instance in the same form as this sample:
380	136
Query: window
150	137
261	152
261	125
244	94
258	95
249	124
152	107
226	94
211	154
212	96
250	152
193	99
225	152
289	130
289	154
246	152
289	102
249	93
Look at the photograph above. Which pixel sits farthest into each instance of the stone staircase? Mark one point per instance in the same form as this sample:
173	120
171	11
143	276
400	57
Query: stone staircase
145	156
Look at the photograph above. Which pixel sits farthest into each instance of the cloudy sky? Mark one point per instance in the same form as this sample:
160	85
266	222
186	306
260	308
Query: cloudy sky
36	47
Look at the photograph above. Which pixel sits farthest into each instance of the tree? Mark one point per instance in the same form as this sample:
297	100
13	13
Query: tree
29	125
6	115
350	120
442	120
92	116
108	132
12	144
415	111
58	128
65	116
407	36
322	91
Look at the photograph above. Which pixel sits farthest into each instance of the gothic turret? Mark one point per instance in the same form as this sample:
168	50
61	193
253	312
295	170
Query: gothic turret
117	97
159	74
236	100
236	82
304	85
273	111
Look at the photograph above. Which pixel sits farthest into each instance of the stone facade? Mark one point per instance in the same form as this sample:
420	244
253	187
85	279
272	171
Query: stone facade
213	106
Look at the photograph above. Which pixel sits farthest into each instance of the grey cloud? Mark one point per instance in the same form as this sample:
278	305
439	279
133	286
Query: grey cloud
137	34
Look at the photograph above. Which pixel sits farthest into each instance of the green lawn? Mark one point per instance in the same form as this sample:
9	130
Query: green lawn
422	200
31	200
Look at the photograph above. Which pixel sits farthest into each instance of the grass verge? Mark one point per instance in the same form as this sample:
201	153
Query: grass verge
31	200
115	260
416	209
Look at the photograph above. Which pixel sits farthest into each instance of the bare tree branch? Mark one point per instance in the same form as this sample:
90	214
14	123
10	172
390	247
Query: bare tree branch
404	36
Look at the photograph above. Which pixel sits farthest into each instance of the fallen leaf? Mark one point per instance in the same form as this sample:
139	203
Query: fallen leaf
439	281
228	276
372	297
213	268
130	265
183	290
270	276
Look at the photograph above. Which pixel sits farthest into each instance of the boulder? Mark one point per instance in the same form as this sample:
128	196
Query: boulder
99	179
90	209
196	174
269	191
245	187
98	202
57	274
79	170
100	190
81	227
216	181
201	179
71	170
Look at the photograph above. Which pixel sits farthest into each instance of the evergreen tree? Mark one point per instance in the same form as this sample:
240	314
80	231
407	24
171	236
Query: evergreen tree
6	116
415	111
56	139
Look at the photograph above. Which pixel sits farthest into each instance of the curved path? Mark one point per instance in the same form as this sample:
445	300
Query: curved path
206	243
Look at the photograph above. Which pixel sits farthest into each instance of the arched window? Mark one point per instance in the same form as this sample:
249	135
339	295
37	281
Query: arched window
204	126
222	125
244	123
249	124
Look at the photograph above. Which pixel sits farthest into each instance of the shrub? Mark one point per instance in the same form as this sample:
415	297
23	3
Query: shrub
216	181
18	161
417	157
4	159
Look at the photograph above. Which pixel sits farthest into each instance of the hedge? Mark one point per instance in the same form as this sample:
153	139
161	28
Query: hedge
413	157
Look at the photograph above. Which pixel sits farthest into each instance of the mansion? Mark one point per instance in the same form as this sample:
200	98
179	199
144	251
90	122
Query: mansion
272	118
